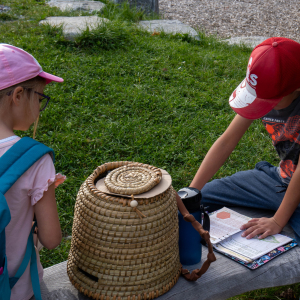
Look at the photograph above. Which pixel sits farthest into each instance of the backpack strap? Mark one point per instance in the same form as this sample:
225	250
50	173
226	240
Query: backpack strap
18	159
14	163
4	220
30	255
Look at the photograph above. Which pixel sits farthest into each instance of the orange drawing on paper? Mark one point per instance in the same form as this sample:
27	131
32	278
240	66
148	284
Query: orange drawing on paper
223	215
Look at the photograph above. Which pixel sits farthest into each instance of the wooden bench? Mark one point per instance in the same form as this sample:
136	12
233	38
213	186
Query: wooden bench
225	278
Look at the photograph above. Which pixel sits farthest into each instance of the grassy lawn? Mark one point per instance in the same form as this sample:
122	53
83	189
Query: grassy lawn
128	95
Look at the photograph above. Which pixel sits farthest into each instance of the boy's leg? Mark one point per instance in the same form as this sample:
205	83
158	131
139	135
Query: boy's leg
254	188
257	188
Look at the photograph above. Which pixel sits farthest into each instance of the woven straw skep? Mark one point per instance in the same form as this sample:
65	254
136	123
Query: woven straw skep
121	251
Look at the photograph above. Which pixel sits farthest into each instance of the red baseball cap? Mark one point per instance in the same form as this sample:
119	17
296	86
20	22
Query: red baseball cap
273	72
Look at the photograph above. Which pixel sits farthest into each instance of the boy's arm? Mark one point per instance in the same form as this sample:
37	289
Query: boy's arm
269	226
220	151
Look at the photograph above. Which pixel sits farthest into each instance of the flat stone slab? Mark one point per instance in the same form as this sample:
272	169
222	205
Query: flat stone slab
168	26
73	26
225	278
76	5
250	41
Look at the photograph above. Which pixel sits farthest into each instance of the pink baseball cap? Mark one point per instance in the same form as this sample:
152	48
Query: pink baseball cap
273	72
17	65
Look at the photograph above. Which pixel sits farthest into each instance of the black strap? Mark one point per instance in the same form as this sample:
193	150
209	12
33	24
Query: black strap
205	218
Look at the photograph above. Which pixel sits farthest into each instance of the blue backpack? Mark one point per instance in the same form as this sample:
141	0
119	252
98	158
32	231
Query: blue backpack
13	164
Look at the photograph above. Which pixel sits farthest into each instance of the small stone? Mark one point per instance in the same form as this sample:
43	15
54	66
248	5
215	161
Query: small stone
4	8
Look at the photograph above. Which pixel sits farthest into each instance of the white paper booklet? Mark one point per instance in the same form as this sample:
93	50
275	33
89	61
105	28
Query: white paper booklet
224	223
226	236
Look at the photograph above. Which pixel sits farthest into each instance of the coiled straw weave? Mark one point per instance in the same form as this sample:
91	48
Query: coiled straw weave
117	253
132	179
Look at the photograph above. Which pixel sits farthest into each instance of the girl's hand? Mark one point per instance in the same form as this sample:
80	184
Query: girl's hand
59	179
262	226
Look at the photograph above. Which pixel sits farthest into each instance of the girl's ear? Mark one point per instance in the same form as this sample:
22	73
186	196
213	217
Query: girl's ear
17	95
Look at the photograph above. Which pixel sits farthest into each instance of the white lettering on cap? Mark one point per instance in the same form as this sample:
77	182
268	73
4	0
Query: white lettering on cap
248	68
251	78
243	96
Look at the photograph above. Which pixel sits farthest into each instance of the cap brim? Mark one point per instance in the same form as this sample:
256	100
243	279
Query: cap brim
248	105
49	77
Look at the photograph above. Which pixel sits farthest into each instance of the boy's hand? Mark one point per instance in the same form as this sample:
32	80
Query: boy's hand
262	226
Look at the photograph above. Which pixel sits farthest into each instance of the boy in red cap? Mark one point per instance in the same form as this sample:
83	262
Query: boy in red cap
270	91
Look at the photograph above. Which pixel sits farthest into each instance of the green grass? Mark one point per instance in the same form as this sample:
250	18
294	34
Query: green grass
4	17
128	95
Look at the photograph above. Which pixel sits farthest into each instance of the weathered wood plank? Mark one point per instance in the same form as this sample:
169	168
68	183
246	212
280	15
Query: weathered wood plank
225	278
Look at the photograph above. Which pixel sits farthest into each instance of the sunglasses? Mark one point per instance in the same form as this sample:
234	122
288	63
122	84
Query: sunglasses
43	101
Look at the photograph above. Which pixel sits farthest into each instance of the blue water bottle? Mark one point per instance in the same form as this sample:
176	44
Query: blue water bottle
190	248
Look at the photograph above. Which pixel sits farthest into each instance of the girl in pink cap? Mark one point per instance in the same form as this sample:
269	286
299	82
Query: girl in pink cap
22	82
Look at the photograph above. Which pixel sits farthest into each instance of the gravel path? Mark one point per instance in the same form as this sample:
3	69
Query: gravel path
235	18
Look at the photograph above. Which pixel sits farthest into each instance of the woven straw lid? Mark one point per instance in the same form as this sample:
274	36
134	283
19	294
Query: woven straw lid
132	179
124	248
